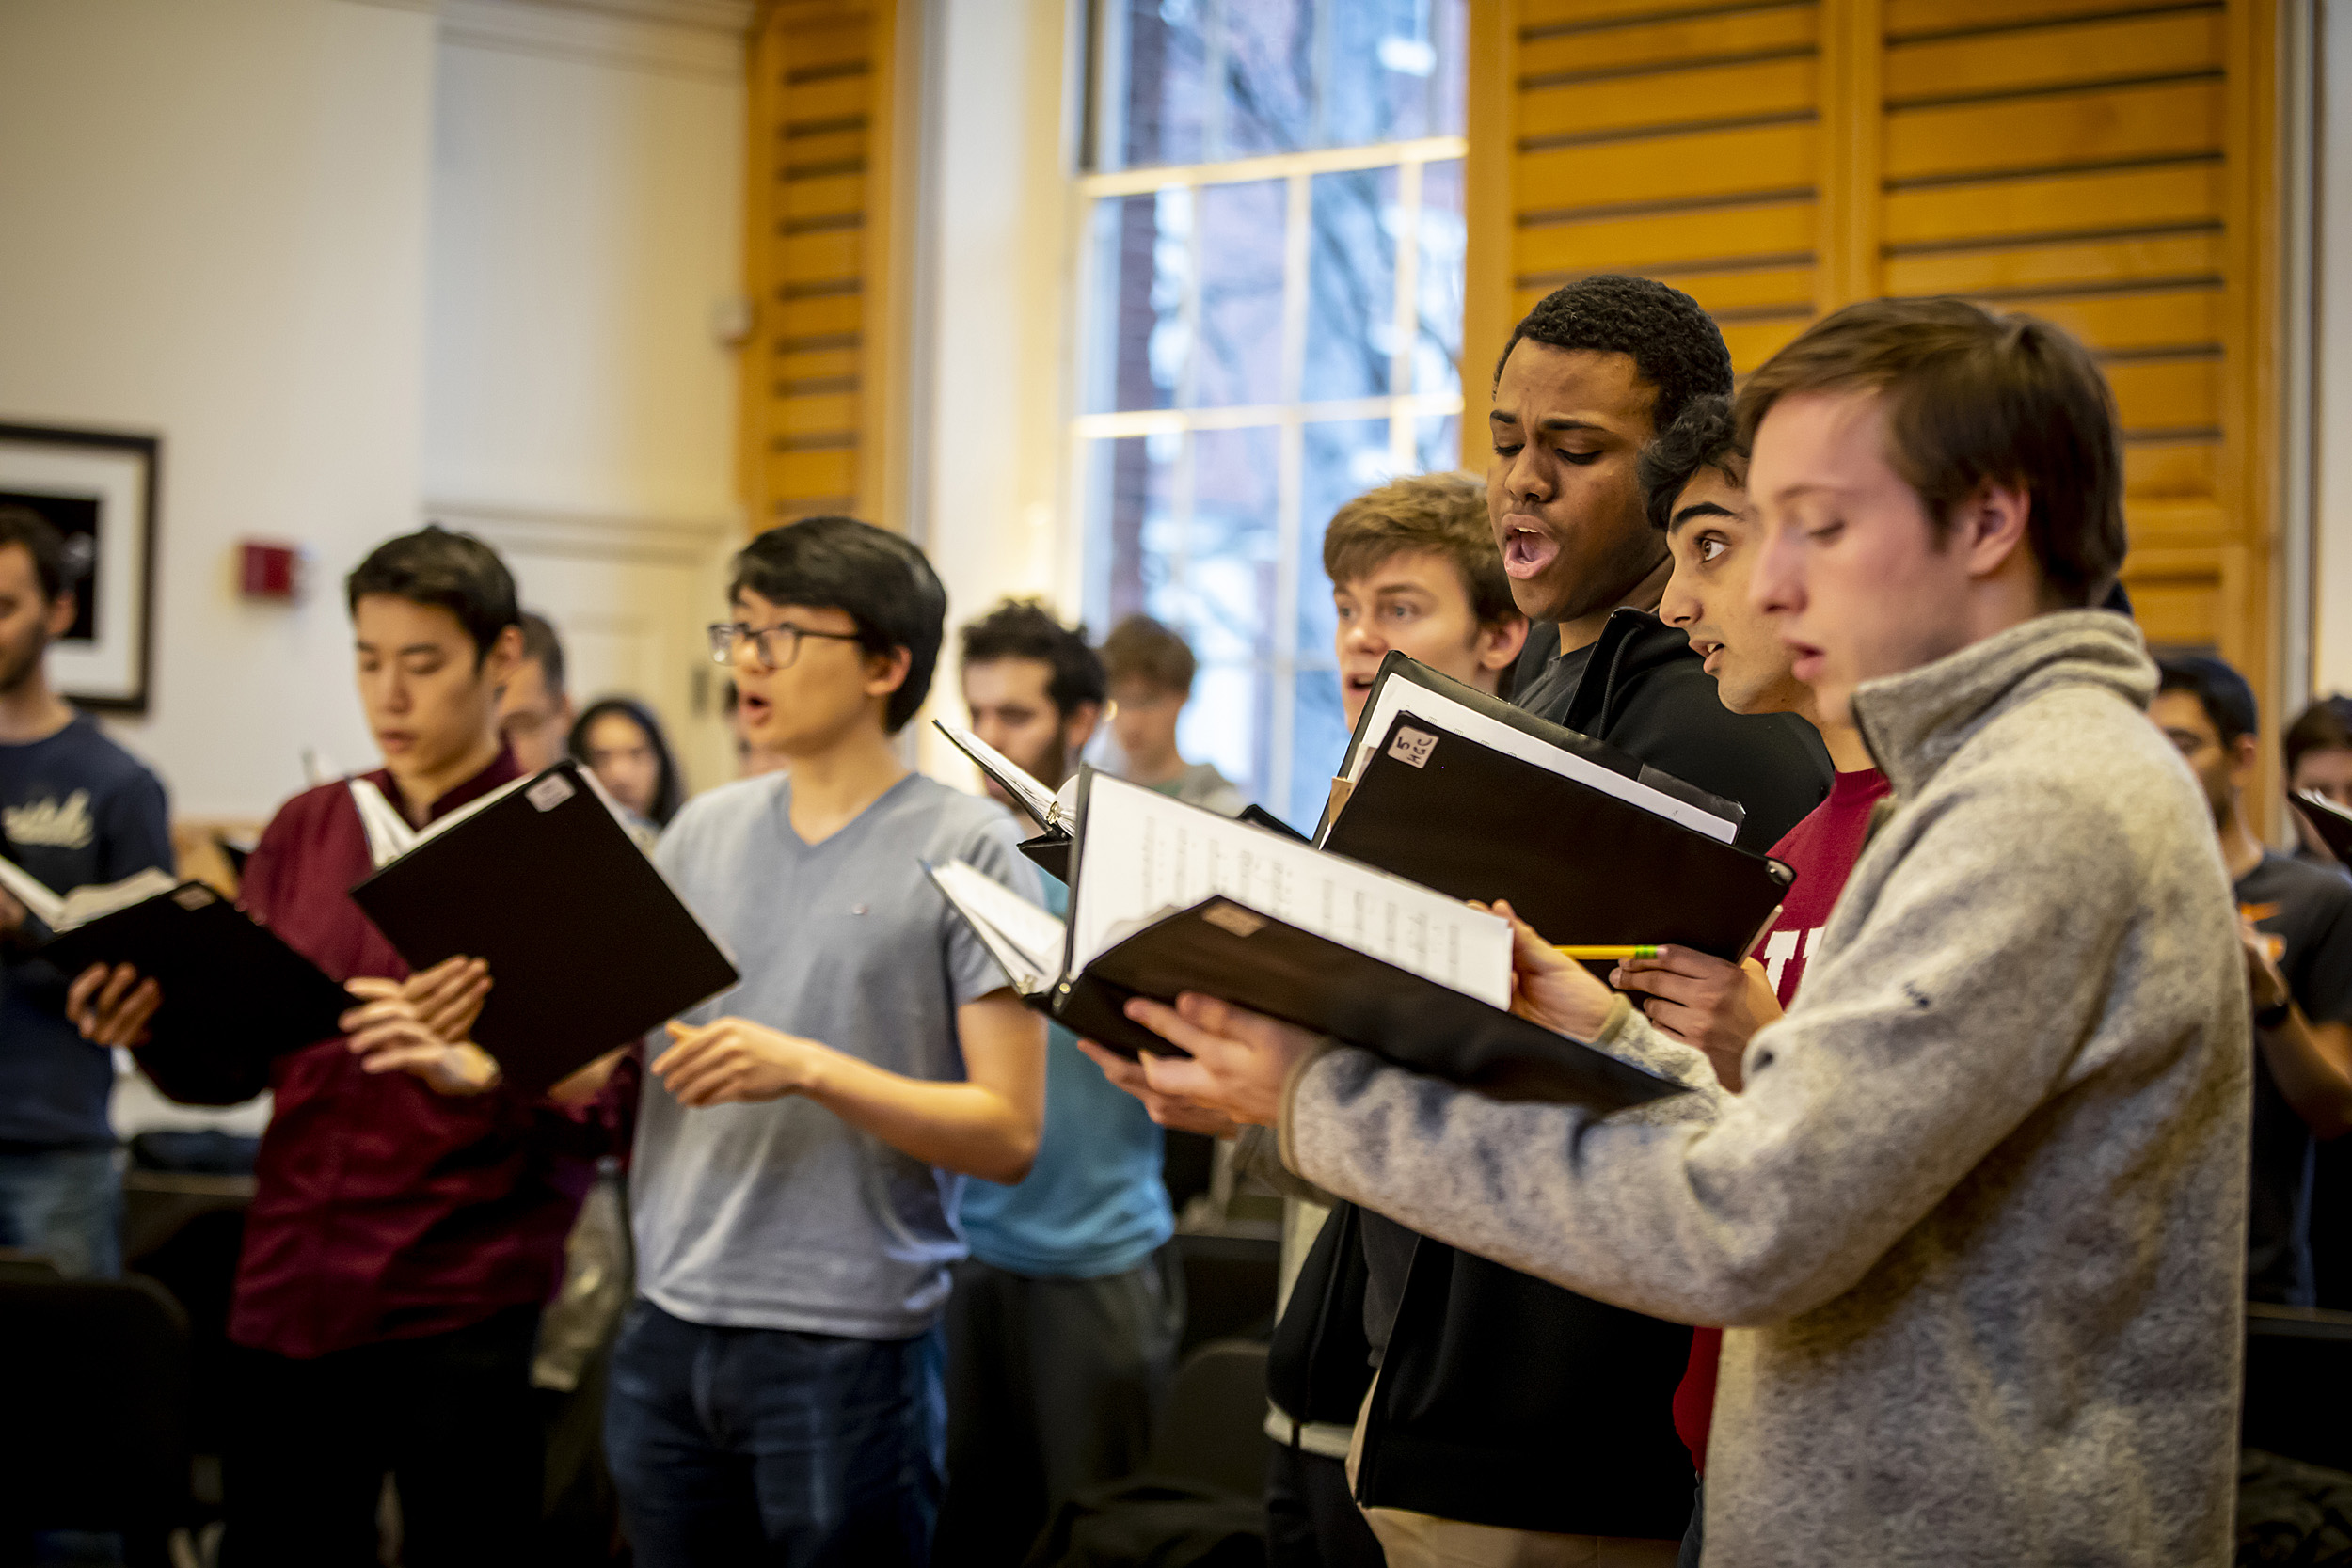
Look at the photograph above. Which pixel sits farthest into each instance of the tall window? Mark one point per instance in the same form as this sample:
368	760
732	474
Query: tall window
1272	323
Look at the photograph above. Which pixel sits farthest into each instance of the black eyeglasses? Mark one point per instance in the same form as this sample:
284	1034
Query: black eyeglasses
772	647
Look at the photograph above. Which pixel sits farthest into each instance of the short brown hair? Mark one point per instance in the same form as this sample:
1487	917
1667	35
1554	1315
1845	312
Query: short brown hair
1139	648
1973	398
1440	513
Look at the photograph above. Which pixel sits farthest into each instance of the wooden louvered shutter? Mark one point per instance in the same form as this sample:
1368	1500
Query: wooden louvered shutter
826	286
2109	165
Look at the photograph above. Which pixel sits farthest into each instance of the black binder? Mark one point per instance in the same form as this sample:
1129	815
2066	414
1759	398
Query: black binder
1226	948
1579	865
2329	822
1399	668
1260	963
215	965
588	944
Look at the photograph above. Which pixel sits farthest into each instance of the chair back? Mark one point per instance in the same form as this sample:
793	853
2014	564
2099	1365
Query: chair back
1212	1429
97	1435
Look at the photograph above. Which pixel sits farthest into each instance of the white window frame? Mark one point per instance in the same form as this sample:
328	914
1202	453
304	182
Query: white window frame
1403	408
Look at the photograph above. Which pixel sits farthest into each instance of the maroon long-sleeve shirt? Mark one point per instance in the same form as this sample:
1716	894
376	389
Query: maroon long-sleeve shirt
383	1211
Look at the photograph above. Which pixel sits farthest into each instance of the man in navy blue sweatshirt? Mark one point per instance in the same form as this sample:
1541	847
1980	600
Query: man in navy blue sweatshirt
75	808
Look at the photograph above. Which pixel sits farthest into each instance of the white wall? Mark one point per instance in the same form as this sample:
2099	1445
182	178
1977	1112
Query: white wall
364	261
994	276
215	221
2332	431
580	413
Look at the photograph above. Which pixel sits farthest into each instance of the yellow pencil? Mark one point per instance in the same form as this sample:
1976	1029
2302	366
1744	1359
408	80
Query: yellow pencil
1594	954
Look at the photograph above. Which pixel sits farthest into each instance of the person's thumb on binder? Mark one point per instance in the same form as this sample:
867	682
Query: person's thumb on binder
1547	988
1239	1059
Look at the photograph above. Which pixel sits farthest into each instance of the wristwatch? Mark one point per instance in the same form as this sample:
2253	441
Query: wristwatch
2274	1015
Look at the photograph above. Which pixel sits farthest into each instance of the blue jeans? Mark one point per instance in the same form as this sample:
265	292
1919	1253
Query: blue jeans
761	1446
67	1205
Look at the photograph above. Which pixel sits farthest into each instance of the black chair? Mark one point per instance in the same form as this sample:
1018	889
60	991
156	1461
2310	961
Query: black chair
1229	1287
1213	1428
99	1406
2298	1384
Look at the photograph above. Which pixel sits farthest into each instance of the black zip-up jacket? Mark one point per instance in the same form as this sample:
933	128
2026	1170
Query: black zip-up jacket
1504	1400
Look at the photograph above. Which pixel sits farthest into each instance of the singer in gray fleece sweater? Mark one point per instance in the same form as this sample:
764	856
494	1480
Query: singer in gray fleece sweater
1978	1219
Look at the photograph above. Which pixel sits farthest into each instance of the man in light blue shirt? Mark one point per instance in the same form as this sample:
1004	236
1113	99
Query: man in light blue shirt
1065	1318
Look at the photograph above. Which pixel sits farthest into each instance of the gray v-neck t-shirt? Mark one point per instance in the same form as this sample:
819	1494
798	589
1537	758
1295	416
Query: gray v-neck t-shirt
782	1216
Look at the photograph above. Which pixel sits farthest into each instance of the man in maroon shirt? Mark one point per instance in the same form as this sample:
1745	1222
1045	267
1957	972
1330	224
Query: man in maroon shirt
1695	476
410	1211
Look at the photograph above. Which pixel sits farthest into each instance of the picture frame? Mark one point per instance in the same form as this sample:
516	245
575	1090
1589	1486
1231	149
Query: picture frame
99	489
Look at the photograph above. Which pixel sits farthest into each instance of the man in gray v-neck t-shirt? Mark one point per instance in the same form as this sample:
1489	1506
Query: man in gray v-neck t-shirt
781	1214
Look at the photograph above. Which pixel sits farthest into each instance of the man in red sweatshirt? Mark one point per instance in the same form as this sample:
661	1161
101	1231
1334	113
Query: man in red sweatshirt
410	1210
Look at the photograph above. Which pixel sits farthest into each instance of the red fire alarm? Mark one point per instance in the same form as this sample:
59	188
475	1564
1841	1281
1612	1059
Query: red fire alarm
270	570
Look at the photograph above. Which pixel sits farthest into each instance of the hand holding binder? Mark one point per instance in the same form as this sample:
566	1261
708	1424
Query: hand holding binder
588	945
1170	898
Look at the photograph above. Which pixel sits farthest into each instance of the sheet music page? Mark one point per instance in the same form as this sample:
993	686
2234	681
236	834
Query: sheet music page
30	890
1143	853
1394	696
1035	797
1026	939
86	904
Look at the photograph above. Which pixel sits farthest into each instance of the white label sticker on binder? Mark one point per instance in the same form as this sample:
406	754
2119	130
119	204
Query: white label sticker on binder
1412	745
194	897
549	792
1233	921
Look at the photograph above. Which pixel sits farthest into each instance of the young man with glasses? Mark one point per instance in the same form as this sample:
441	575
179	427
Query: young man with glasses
776	1387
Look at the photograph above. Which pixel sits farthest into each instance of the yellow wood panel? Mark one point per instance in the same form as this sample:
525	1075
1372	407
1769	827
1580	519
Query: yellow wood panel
1753	343
1778	291
1667	168
830	196
2167	394
1763	31
832	152
829	48
826	254
2175	610
815	473
2167	318
2054	205
1572	17
1664	239
2106	126
812	364
817	315
2168	469
1716	92
1910	17
830	412
1760	291
2048	267
828	100
2112	50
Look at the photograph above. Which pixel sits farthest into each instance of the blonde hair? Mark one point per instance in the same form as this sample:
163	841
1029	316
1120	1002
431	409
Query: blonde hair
1442	513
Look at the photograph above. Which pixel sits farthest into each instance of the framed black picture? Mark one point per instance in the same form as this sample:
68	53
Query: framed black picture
99	489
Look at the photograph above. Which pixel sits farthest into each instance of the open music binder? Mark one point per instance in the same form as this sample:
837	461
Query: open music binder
1049	851
1585	855
588	944
1169	898
2329	822
215	964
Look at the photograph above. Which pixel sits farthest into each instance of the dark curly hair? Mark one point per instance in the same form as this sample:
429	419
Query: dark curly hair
1025	628
1704	435
1676	346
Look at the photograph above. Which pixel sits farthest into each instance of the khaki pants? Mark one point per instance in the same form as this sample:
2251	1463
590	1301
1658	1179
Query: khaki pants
1424	1540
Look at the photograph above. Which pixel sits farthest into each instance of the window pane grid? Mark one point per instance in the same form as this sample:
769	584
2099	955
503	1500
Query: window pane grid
1208	404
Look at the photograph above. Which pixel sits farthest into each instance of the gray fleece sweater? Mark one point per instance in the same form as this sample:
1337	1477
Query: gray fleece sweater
1978	1217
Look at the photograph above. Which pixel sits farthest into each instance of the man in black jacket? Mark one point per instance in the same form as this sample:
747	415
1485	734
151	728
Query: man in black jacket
1507	1407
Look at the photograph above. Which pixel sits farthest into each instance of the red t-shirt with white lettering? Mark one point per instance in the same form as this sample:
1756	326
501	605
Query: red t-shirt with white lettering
1822	849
